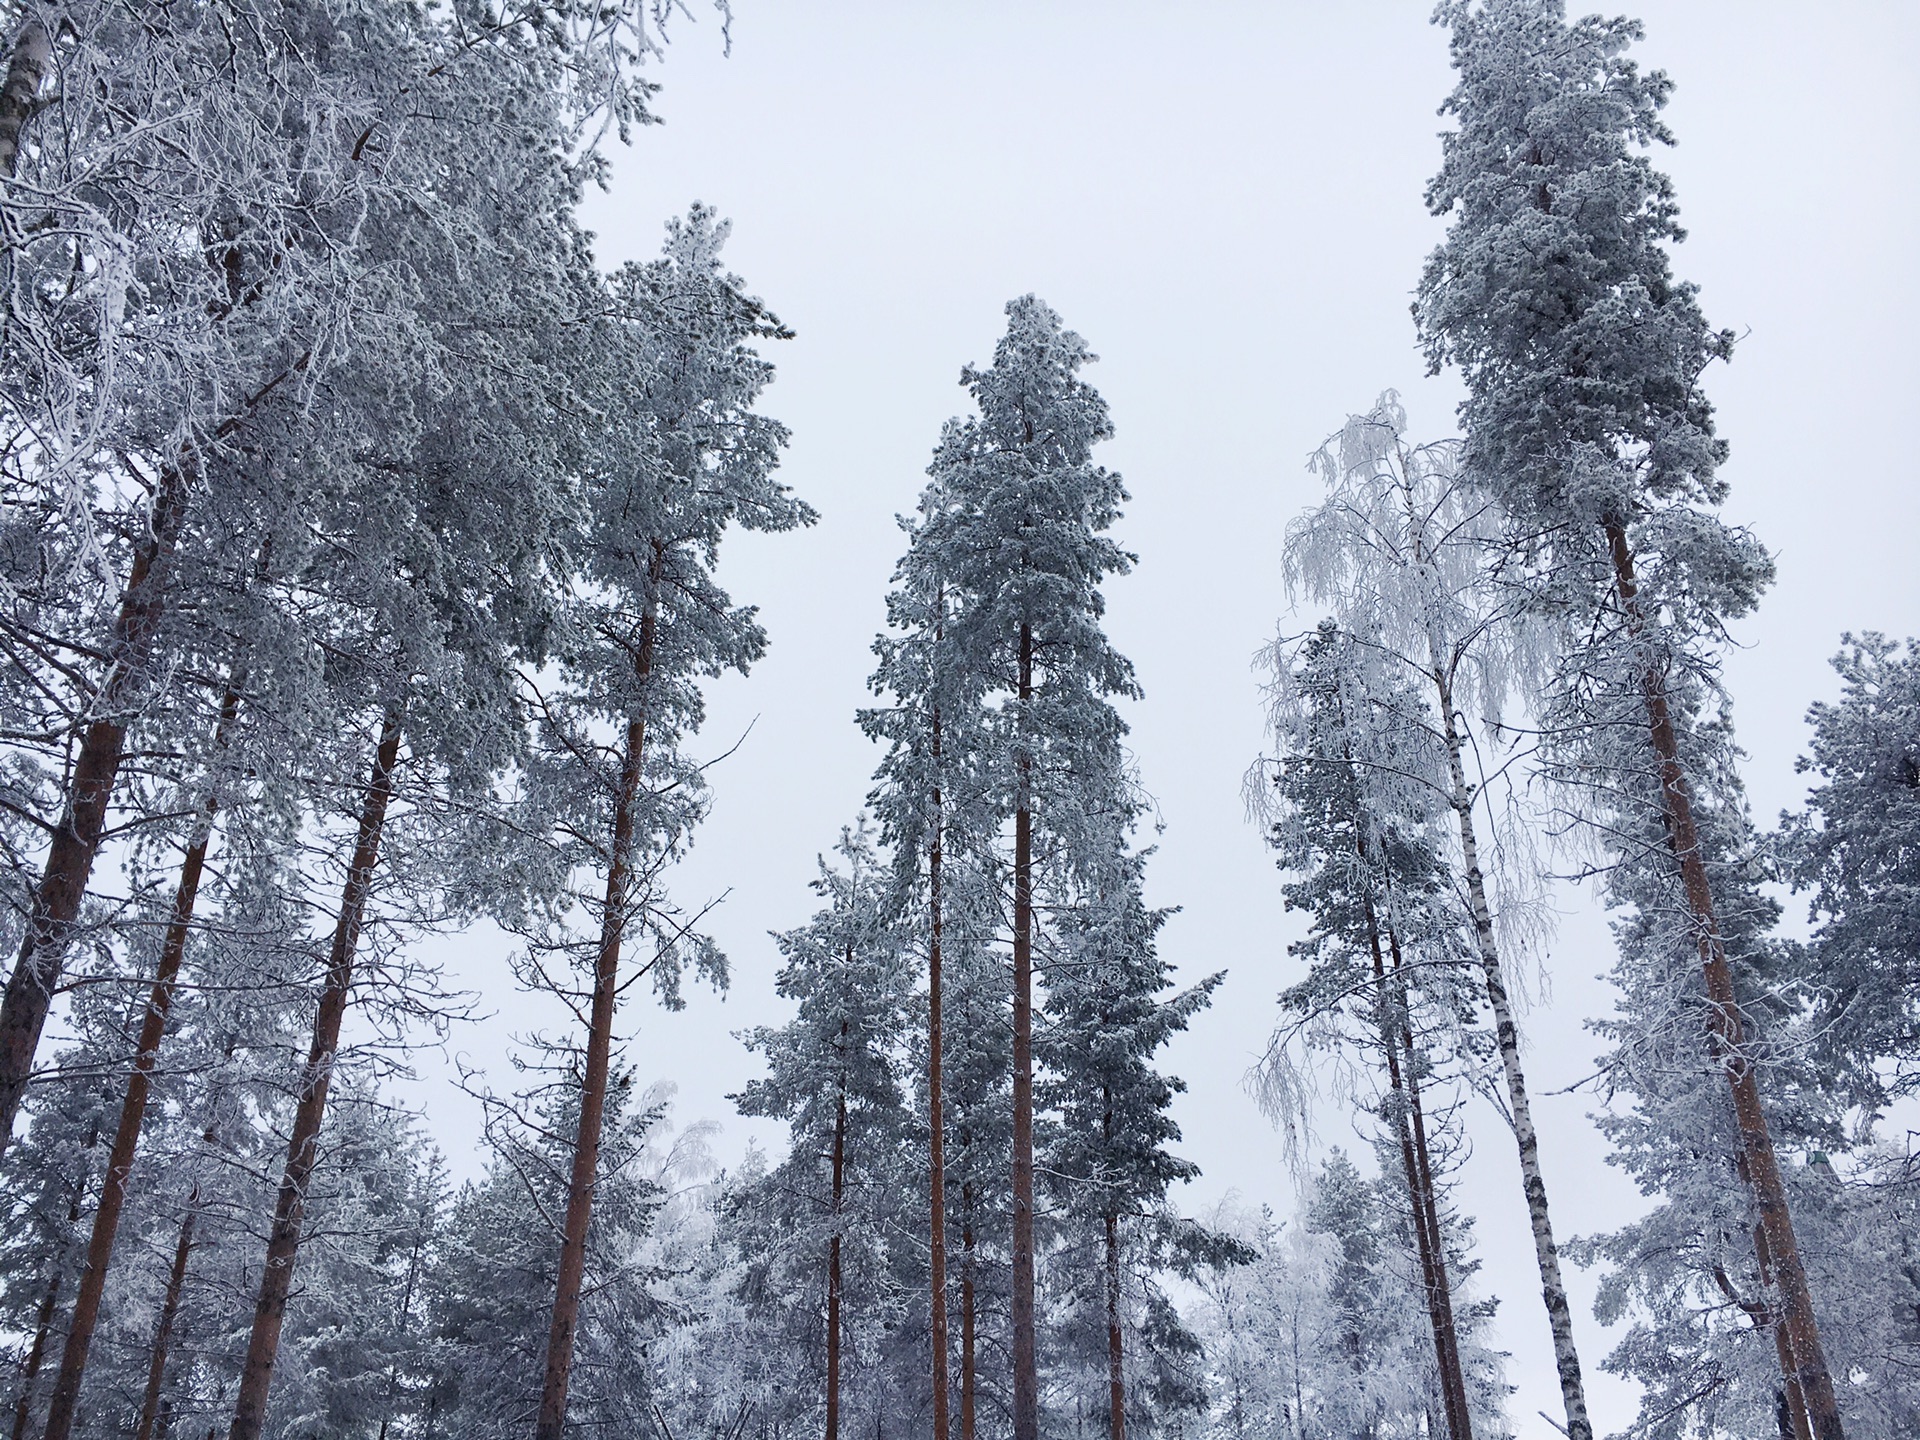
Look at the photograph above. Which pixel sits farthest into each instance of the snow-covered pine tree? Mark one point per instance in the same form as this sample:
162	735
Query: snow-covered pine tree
930	805
254	265
1856	849
833	1073
1356	811
1695	1276
1404	550
122	421
1019	538
435	568
683	456
1108	1162
1554	294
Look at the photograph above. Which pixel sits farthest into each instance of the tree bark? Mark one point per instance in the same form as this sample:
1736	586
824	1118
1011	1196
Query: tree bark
1793	1402
406	1316
1026	1374
967	1331
833	1262
37	1352
49	1303
55	908
1428	1240
163	1333
20	95
303	1146
1116	1374
936	1113
1546	1252
133	1107
1460	1419
1726	1033
552	1418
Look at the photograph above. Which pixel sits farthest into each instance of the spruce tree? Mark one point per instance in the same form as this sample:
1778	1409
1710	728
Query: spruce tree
833	1075
1856	850
1108	1160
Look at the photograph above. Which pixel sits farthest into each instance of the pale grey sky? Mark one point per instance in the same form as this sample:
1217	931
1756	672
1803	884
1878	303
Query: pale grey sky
1225	199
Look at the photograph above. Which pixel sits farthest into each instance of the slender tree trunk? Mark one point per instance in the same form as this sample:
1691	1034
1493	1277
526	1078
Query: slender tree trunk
406	1314
967	1330
552	1419
1793	1402
1460	1416
163	1333
1428	1241
133	1107
833	1262
1026	1370
1553	1290
1116	1375
50	1302
20	95
37	1352
936	1113
1725	1031
56	901
303	1146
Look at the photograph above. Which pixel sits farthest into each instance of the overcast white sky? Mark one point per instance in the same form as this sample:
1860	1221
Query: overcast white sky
1225	199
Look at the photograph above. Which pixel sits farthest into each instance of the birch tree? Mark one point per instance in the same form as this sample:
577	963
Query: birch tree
1405	551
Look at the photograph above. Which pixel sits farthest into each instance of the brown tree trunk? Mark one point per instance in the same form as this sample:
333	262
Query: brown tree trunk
406	1315
37	1352
1116	1375
163	1333
20	95
1430	1203
50	1302
303	1146
1428	1241
1026	1371
76	839
133	1108
1793	1402
936	1115
833	1263
552	1418
1726	1034
967	1331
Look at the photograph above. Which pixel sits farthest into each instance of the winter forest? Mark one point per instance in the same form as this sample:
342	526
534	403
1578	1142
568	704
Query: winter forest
551	890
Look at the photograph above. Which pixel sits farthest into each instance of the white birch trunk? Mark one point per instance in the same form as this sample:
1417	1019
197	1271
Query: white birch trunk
1566	1357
